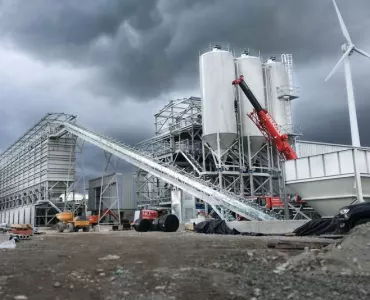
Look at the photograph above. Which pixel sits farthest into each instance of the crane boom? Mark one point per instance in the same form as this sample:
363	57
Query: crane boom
266	123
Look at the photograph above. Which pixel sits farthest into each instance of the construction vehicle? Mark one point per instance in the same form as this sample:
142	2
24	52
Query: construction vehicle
155	219
21	231
266	123
68	220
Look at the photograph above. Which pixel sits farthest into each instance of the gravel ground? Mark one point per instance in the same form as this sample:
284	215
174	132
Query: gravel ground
156	265
349	256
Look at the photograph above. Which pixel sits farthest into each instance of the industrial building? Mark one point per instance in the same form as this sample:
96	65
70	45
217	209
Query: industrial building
212	137
114	193
208	154
34	170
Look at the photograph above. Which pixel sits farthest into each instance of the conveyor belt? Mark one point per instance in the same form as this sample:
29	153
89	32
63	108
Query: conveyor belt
219	199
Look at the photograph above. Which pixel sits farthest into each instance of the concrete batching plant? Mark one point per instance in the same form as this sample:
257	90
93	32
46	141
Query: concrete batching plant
224	146
213	153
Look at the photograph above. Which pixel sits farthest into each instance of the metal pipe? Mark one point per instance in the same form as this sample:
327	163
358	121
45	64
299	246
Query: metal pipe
360	197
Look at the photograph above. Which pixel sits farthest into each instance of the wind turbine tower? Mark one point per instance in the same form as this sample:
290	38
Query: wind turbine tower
348	48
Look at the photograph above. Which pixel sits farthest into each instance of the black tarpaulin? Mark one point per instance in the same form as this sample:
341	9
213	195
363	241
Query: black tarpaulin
317	227
219	227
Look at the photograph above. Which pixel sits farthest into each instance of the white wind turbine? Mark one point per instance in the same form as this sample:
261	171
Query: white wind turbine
348	48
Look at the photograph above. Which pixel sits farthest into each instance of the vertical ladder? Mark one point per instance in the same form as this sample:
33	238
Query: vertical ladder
287	59
288	115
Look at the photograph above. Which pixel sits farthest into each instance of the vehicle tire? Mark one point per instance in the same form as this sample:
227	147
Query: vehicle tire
142	225
86	229
71	227
60	227
361	221
168	223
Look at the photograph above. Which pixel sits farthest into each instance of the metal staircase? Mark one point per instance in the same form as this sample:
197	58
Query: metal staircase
196	166
219	199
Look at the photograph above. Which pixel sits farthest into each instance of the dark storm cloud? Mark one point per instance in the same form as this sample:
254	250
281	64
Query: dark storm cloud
140	50
143	48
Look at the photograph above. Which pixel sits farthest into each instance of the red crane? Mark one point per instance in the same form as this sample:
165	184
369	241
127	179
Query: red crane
266	123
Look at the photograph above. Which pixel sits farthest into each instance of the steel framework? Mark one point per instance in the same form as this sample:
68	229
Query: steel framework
178	141
37	169
218	198
60	131
107	201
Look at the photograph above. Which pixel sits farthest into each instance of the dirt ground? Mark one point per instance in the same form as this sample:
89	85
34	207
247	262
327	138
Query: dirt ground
156	265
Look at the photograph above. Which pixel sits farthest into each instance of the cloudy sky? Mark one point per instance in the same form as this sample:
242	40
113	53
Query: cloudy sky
114	63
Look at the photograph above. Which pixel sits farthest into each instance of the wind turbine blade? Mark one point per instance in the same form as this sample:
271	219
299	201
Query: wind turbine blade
362	52
342	25
345	55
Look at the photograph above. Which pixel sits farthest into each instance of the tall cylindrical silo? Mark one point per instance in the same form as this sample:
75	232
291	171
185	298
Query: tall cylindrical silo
251	68
277	80
217	71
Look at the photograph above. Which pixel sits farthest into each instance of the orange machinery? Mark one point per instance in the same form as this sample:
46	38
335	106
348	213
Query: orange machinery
155	219
73	223
94	218
21	231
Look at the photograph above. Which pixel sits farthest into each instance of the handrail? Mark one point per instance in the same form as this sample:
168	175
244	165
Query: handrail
191	184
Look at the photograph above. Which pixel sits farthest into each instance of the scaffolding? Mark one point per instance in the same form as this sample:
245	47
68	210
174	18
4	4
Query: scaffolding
178	141
221	200
36	170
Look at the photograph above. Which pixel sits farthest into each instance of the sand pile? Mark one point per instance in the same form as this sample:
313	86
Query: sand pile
348	256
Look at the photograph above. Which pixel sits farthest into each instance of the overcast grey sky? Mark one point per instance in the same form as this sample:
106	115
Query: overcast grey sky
114	63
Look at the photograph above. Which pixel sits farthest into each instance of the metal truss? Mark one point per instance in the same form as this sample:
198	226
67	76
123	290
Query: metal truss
168	168
34	170
173	175
178	141
177	115
108	202
182	146
151	190
76	184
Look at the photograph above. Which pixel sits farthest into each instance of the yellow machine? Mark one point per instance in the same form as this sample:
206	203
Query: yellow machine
71	222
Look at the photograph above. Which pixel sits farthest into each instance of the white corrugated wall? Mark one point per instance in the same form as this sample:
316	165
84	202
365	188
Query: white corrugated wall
306	148
20	215
128	192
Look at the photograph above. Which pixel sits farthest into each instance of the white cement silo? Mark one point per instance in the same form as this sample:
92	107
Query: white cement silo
277	80
217	71
251	68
